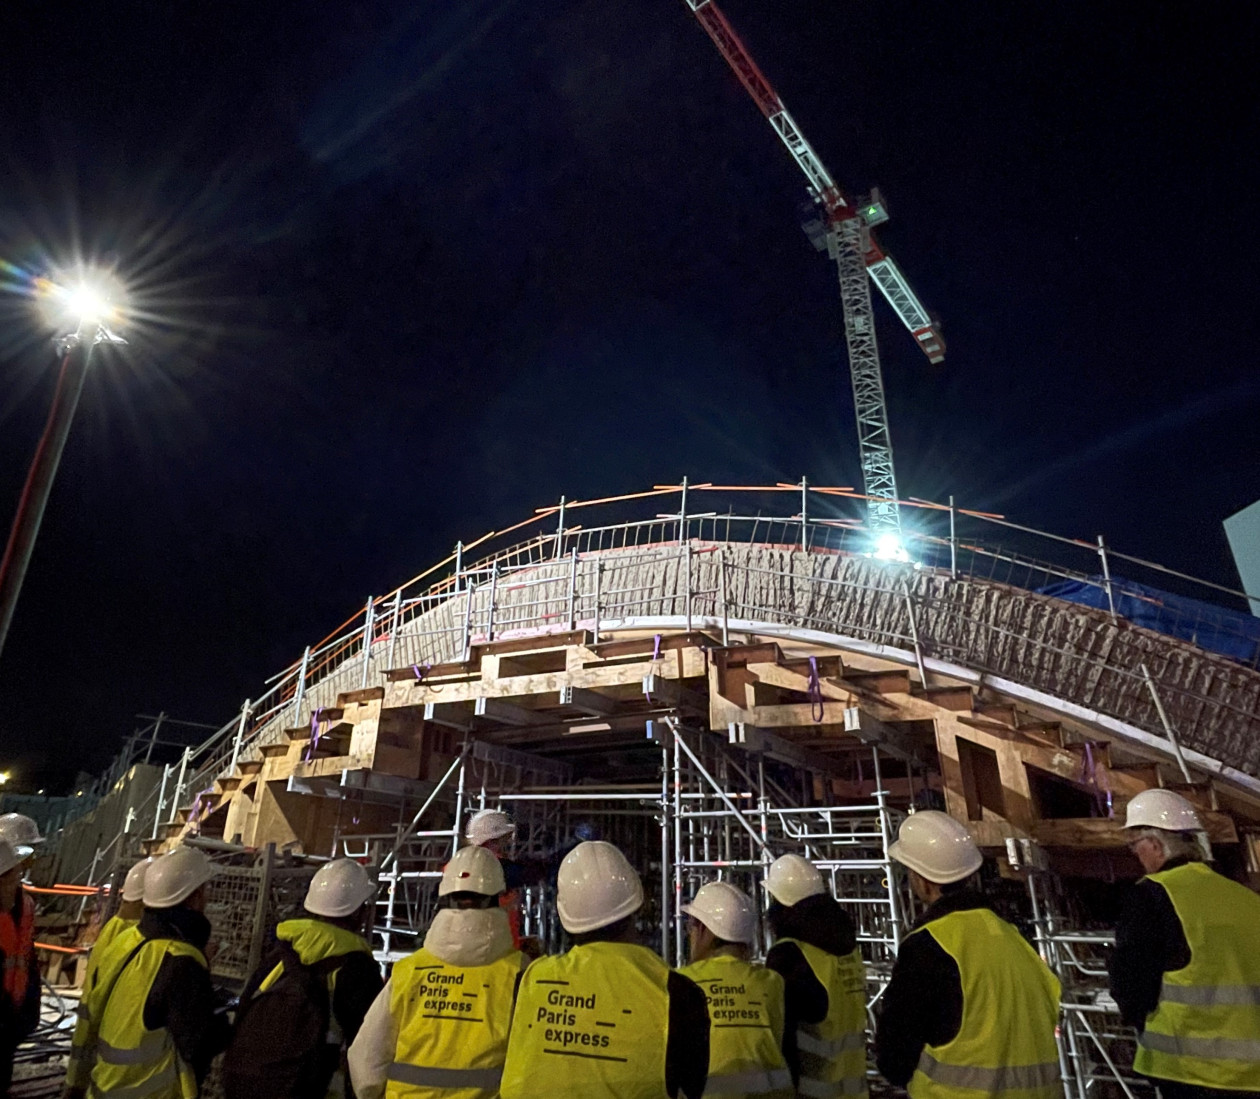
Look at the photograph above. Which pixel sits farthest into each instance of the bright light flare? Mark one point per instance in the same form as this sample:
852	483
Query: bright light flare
889	547
86	301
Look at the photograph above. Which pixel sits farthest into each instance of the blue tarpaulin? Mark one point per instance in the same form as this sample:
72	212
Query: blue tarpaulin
1217	629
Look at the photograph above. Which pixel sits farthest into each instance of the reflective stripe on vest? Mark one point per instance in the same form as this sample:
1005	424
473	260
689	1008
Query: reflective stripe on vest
1005	1046
752	1082
1205	1030
746	1009
133	1062
990	1080
163	1084
453	1024
818	1089
109	958
591	1022
445	1079
833	1052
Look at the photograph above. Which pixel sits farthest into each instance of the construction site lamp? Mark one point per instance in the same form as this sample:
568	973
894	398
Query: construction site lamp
4	777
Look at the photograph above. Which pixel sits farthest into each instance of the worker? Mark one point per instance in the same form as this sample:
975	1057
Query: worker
607	1018
19	997
971	1009
440	1026
149	1026
815	952
1186	967
494	830
291	1032
128	915
745	1000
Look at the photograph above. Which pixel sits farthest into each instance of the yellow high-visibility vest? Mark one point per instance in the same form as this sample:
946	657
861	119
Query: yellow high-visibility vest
114	927
1005	1045
132	1060
1206	1027
745	1028
833	1052
453	1024
108	959
590	1024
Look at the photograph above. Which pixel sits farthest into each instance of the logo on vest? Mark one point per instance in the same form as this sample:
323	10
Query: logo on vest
442	994
571	1027
729	1005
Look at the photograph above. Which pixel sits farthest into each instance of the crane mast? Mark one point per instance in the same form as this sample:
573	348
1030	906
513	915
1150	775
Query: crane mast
859	261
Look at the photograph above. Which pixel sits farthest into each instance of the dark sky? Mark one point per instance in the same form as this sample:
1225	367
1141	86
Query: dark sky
414	269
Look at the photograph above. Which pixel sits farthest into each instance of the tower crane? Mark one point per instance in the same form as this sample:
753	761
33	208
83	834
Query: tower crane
852	245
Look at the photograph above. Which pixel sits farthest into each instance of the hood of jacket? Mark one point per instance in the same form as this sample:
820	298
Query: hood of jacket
469	936
315	939
817	920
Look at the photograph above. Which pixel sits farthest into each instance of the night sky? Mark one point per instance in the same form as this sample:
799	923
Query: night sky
410	270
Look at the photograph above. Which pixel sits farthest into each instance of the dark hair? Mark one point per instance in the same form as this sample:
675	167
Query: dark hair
466	898
613	932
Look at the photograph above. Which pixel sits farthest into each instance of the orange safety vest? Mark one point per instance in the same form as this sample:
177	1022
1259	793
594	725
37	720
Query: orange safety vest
17	941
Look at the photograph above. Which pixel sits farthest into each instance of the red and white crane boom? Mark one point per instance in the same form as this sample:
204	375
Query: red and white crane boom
852	245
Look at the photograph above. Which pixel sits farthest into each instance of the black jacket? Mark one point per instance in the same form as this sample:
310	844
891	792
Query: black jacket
358	984
821	922
182	998
687	1040
923	1003
1149	942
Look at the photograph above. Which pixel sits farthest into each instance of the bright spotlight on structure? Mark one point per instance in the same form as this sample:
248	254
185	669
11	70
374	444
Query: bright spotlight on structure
889	547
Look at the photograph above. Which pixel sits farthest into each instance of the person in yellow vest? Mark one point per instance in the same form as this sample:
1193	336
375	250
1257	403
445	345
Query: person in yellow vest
1186	968
607	1019
440	1026
149	1029
971	1009
128	915
263	1058
745	1000
19	996
815	952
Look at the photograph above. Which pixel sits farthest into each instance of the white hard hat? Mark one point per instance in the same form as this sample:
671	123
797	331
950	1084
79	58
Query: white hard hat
175	876
19	830
133	884
9	857
792	878
937	846
1162	809
726	911
340	888
596	886
488	824
473	870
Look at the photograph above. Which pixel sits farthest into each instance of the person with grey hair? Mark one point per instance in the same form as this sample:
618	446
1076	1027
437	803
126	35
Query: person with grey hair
1186	969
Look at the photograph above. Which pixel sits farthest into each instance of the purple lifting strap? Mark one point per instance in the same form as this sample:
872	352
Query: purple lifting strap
816	710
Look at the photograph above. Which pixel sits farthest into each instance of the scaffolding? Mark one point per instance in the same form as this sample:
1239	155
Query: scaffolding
1096	1048
701	808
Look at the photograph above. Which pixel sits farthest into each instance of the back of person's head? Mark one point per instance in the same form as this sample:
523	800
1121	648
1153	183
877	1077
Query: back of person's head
727	912
596	887
937	848
472	879
339	890
174	877
792	878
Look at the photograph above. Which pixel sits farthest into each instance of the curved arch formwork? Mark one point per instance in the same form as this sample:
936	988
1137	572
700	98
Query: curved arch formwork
709	691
